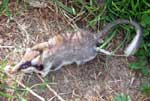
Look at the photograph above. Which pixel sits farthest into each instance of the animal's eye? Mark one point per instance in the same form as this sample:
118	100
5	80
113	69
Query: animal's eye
25	65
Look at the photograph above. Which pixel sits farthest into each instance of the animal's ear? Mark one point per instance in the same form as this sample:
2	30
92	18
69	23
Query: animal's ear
40	46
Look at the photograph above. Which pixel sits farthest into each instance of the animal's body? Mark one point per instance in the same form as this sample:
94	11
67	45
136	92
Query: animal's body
77	47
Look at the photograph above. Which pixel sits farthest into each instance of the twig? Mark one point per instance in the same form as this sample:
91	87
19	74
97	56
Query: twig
51	99
27	88
7	47
22	28
52	90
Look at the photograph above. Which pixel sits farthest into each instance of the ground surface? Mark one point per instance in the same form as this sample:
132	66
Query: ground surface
98	80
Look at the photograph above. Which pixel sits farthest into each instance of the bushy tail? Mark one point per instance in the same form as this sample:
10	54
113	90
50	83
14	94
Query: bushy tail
135	43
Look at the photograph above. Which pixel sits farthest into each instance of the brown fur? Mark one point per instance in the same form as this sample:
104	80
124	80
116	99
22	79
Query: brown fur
76	47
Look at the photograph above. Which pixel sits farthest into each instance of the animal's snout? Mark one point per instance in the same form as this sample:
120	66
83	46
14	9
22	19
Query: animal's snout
28	67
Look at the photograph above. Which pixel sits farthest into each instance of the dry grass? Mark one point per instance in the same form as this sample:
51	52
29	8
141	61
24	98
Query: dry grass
98	80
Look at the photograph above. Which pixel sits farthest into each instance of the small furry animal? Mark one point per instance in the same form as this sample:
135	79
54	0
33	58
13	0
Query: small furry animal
77	47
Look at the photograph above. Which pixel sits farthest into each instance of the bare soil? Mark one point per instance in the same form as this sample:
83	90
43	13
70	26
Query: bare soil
99	80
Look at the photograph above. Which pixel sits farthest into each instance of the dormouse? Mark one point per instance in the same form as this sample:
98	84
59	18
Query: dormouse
77	47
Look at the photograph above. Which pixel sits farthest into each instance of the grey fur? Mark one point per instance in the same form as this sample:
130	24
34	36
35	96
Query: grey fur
80	47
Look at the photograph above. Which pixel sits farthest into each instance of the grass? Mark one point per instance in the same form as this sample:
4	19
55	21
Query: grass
145	88
94	15
138	10
4	9
122	97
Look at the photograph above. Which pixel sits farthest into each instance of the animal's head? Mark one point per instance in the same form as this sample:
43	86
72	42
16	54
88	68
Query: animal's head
31	62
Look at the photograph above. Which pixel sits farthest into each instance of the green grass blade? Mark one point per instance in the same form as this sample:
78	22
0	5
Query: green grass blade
68	9
108	39
2	94
146	3
122	97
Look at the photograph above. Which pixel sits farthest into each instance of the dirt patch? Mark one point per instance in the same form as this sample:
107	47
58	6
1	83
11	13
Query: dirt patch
98	80
93	81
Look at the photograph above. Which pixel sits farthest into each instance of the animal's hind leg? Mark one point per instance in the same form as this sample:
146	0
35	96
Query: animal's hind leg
46	69
56	65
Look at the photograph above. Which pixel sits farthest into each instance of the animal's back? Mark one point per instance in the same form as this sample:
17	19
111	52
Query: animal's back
78	47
